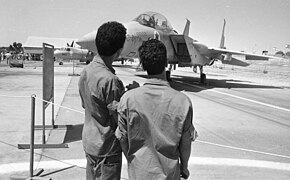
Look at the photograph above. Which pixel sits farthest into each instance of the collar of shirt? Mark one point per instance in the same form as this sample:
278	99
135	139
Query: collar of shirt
99	60
155	81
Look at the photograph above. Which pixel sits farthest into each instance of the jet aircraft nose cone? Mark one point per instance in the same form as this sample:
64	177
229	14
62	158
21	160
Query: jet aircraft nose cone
88	41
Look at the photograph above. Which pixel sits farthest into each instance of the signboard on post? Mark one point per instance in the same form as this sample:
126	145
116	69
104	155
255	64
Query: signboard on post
48	72
47	84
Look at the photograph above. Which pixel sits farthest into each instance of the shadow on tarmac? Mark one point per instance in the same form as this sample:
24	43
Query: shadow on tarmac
221	83
73	133
177	81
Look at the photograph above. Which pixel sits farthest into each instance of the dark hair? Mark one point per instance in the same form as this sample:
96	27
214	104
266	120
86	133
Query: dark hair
153	56
110	38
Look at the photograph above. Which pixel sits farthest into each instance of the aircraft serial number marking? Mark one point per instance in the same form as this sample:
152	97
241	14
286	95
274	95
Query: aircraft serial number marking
138	37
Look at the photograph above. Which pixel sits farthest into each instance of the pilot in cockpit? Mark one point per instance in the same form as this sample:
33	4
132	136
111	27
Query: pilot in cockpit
150	22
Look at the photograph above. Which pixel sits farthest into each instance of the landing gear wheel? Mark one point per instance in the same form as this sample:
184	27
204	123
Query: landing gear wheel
88	62
168	76
202	78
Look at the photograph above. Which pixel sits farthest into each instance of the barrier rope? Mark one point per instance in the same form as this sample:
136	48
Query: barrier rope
40	99
59	105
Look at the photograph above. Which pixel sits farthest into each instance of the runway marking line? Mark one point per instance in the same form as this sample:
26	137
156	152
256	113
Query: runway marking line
238	97
243	149
203	161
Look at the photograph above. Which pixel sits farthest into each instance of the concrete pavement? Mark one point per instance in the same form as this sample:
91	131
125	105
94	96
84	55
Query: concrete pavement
57	163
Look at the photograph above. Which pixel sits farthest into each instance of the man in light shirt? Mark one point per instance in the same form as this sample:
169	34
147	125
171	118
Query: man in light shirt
155	122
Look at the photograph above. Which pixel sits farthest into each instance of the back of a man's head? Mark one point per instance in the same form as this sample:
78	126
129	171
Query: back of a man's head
110	38
153	56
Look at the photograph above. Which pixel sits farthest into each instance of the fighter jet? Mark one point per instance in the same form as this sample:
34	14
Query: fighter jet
182	50
74	53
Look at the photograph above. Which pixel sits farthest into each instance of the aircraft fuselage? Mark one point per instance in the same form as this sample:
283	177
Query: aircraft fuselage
70	53
137	34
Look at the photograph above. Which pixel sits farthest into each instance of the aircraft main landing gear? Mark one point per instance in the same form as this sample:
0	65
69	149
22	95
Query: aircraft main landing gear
202	79
168	76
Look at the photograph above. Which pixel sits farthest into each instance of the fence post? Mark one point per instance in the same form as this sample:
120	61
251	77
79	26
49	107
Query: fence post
32	134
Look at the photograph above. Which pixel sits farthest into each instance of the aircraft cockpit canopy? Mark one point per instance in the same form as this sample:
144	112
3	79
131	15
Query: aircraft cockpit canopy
154	20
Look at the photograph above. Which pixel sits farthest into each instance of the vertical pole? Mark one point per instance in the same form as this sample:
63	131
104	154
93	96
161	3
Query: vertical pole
44	95
52	100
52	113
32	134
43	122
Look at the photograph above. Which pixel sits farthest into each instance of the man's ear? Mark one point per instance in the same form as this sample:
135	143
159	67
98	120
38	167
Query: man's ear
120	51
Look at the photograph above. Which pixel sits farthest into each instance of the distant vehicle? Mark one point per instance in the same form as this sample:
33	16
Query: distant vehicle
16	61
181	49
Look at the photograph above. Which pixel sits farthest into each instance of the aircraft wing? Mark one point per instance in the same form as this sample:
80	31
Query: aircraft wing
248	56
196	53
236	62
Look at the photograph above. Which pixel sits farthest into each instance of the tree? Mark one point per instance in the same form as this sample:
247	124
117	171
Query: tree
3	50
10	48
16	47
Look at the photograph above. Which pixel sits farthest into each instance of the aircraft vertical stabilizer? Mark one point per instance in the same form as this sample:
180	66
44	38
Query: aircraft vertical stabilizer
186	28
222	44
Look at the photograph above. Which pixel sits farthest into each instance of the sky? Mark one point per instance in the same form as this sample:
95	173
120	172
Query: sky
251	25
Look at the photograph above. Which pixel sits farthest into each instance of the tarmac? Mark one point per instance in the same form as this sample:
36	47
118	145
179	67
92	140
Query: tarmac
16	87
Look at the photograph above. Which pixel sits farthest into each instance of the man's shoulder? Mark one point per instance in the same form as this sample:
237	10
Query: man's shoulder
99	70
181	96
132	93
97	73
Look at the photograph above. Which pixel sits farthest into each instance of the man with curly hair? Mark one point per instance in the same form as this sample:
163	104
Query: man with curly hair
99	89
155	122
